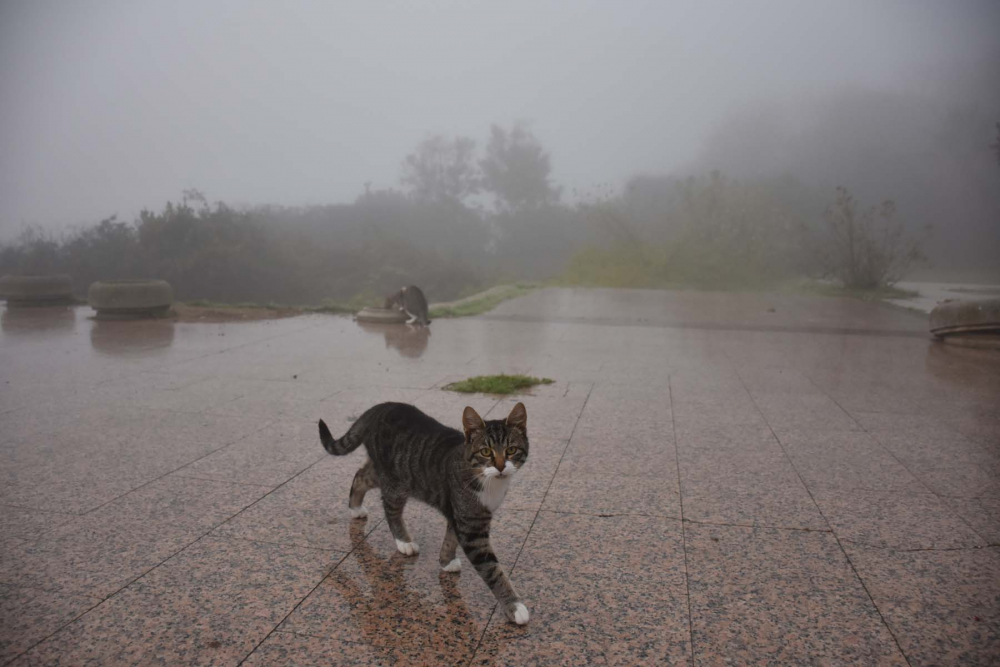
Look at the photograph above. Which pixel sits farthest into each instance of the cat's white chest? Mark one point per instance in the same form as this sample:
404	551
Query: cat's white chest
494	493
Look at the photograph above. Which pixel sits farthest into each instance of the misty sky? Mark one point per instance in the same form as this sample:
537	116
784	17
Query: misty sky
109	107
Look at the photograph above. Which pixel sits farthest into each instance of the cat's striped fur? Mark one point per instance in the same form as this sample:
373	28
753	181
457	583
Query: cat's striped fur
411	455
411	300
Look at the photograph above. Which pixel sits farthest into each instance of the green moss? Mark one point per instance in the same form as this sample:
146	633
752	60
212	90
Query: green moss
496	384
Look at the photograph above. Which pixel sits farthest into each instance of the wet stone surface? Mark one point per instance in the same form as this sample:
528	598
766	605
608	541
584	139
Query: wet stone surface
714	479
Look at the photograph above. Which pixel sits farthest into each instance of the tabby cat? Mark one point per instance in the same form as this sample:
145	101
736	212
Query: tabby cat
410	300
411	455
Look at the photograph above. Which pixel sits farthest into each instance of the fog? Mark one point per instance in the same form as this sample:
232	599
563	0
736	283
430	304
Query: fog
116	107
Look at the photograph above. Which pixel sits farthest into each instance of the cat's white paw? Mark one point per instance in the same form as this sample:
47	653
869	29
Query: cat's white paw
407	548
358	512
521	614
454	566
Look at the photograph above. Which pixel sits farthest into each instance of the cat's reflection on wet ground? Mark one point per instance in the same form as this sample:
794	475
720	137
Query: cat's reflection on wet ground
422	627
409	340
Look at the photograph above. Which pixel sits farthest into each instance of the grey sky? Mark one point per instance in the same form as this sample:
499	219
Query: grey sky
109	107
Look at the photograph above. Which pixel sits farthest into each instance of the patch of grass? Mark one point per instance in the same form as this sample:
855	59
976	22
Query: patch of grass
482	304
204	303
355	304
638	266
496	384
834	289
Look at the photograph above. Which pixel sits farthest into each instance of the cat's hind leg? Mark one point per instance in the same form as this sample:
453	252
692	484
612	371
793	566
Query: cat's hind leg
394	517
364	480
449	561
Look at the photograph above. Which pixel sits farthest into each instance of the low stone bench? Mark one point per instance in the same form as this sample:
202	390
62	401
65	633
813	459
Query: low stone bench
130	299
52	290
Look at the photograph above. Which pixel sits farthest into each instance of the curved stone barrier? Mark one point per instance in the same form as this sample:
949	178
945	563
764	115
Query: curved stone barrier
968	322
130	299
53	290
961	316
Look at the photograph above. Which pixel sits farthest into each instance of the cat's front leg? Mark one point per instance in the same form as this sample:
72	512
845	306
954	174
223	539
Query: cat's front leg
475	541
449	561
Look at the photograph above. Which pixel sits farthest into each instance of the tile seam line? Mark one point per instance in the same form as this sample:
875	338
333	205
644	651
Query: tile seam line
918	550
169	557
569	440
756	526
930	491
818	509
171	472
312	590
680	497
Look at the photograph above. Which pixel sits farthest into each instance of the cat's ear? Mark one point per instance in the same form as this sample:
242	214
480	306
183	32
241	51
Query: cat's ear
518	418
472	423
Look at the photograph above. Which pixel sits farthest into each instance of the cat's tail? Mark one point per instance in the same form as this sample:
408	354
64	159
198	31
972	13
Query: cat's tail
347	444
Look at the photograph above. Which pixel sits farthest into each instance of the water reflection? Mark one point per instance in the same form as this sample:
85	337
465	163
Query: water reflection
409	341
965	366
27	321
427	631
118	337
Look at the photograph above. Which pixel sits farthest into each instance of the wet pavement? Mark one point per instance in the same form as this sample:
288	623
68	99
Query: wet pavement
713	479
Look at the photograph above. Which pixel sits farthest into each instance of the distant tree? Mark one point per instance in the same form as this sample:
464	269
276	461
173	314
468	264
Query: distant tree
866	249
442	169
516	169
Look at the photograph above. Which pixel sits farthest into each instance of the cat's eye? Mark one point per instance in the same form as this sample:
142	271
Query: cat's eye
485	451
511	451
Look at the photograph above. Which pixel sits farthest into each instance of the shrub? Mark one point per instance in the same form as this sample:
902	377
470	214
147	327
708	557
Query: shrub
866	250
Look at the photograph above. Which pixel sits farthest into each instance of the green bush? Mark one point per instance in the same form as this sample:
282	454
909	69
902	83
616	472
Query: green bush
866	250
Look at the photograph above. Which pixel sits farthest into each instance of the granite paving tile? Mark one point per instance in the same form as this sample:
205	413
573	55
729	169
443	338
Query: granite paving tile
657	459
960	480
981	514
941	605
87	557
28	524
176	505
28	616
592	493
281	520
210	605
601	590
791	411
846	460
751	486
268	457
280	400
286	649
895	520
781	597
